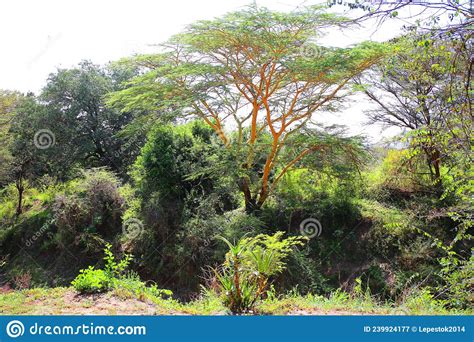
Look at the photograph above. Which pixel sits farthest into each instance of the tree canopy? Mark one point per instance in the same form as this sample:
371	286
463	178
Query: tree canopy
254	69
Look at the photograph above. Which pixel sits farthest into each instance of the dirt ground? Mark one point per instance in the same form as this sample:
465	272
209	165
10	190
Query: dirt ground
69	302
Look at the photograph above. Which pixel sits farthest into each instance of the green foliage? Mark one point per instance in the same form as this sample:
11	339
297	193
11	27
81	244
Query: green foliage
130	285
423	301
82	117
457	277
91	280
113	268
89	211
181	199
244	276
400	173
425	91
114	277
176	160
8	102
396	221
209	83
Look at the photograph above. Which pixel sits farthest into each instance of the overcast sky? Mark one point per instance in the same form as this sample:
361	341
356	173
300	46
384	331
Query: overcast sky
39	36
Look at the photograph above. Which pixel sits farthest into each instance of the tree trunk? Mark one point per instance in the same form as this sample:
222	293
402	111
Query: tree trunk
435	160
251	205
20	188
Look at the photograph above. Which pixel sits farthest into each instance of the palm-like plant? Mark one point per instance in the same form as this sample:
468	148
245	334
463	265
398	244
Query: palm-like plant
243	278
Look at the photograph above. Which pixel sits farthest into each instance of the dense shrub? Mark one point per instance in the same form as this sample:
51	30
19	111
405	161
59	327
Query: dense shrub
89	211
456	287
309	194
176	160
396	175
91	280
180	200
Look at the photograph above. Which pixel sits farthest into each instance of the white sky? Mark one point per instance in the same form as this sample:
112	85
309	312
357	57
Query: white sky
39	36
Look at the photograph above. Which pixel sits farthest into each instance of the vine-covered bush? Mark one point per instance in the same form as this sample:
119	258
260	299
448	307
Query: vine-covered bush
89	211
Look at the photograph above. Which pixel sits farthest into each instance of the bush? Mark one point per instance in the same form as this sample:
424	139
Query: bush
397	176
175	161
114	276
91	280
130	285
181	200
421	300
458	275
113	268
90	211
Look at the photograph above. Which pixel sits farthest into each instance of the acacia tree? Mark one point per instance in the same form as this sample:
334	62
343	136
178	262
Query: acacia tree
434	16
425	89
256	72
